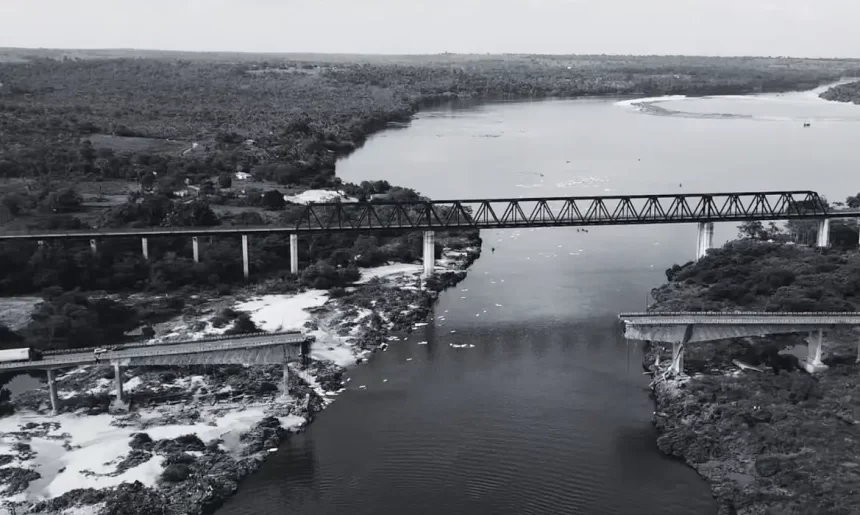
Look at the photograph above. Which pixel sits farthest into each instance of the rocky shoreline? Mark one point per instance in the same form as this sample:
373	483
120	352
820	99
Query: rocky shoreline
776	440
193	433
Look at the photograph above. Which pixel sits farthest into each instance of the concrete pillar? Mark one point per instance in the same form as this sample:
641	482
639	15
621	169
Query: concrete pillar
429	253
705	239
858	352
245	265
698	240
144	244
52	392
94	246
195	245
815	344
117	371
286	379
294	254
678	358
823	233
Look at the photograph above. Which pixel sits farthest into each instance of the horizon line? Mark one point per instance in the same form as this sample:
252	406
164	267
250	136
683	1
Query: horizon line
437	54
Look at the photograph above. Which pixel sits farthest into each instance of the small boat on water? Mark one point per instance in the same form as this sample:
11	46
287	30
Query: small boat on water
807	124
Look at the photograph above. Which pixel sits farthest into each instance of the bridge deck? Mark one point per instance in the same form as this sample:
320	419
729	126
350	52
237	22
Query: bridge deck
162	353
506	213
740	318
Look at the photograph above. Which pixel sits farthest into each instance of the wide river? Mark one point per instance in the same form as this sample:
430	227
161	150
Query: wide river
548	412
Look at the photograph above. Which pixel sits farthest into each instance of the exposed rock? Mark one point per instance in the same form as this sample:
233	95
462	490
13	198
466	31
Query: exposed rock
125	499
17	479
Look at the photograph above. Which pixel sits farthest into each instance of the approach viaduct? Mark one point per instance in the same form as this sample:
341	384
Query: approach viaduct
432	215
254	349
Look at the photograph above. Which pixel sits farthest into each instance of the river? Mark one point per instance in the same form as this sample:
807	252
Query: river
548	412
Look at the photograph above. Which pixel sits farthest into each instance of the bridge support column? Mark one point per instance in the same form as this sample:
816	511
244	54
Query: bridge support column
286	379
858	352
195	246
245	266
823	233
705	239
94	246
144	246
429	253
677	358
294	254
117	372
813	357
52	392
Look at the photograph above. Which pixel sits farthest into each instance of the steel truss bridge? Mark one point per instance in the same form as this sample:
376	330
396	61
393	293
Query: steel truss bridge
505	213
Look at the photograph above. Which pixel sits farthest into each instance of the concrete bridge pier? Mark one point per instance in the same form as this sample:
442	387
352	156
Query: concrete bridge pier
195	246
429	253
52	392
677	358
823	233
294	254
286	379
94	246
813	362
705	239
858	352
117	372
144	245
245	266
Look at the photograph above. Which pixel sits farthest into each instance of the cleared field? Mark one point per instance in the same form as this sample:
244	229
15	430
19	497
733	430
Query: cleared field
15	311
135	144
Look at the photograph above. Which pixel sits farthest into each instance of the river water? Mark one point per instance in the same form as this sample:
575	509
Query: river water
547	413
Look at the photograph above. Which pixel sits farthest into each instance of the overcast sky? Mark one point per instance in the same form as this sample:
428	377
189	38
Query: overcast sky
826	28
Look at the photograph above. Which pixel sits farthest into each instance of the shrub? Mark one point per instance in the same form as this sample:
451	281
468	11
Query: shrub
176	473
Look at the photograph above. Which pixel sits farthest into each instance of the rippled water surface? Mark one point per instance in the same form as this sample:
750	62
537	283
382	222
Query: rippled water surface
547	413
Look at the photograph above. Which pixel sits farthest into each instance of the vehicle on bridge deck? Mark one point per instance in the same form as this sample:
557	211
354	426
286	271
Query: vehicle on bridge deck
23	354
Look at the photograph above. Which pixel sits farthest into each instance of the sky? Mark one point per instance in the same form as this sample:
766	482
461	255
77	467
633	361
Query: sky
801	28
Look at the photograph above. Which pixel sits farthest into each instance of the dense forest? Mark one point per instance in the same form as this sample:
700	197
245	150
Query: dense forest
115	140
755	275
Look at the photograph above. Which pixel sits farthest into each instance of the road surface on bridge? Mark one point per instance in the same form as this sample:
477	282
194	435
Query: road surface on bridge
740	318
163	351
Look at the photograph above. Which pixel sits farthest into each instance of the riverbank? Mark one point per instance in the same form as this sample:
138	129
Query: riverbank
192	433
766	442
845	92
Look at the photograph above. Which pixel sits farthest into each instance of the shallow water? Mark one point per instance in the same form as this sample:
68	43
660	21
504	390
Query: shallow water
547	413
